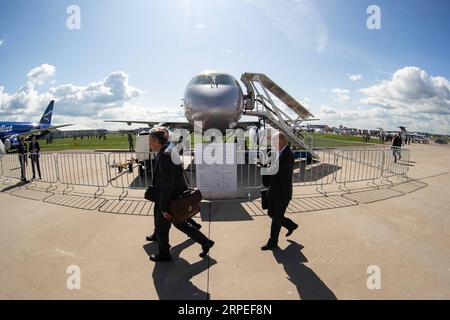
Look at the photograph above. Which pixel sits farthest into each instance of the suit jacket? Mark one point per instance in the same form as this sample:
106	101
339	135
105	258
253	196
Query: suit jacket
22	148
280	184
36	147
168	178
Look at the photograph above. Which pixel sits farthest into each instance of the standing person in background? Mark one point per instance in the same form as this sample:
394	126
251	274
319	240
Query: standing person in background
22	150
130	141
34	149
396	147
280	191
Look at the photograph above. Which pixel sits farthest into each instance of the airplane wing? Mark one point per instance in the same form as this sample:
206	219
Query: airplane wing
170	124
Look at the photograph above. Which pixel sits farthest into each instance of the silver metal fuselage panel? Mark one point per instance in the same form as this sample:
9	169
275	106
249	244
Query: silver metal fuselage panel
215	99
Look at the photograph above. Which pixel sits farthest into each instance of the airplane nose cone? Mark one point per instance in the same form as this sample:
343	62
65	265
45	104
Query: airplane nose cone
216	107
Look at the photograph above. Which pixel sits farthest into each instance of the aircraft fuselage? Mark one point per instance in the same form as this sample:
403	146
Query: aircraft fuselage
215	99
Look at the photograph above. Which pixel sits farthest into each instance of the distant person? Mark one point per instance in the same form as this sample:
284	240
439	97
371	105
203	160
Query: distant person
280	191
35	149
22	150
169	183
130	142
396	147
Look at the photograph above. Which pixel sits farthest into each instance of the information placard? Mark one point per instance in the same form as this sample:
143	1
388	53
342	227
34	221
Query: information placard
216	167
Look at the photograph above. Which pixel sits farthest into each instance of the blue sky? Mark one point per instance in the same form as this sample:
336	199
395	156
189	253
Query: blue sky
132	59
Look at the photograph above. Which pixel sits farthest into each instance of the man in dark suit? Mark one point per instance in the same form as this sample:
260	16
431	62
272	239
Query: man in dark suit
190	220
280	190
169	183
34	149
22	150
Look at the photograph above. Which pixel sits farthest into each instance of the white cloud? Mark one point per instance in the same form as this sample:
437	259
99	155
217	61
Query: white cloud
90	101
341	94
325	109
2	40
299	20
355	77
411	89
40	74
410	98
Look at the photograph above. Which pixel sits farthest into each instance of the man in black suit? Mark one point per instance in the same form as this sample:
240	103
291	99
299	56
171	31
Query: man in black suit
22	150
190	220
169	183
34	149
280	190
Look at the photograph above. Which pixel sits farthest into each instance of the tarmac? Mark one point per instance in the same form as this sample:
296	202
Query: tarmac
400	227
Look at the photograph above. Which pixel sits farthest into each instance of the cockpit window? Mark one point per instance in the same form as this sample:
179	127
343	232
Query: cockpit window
219	79
224	79
203	79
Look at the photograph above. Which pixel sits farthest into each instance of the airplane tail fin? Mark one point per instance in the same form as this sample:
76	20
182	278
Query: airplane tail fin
47	116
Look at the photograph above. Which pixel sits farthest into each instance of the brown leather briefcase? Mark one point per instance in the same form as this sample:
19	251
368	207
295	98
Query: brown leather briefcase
186	205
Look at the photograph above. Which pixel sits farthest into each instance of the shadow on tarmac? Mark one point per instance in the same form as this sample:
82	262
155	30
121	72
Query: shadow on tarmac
307	282
173	279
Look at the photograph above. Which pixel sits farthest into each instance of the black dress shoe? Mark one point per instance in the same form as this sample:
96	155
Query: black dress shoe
291	230
206	249
158	258
151	238
268	247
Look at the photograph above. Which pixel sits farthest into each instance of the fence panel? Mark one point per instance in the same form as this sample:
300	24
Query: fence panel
396	162
11	165
44	166
83	169
310	172
359	164
131	169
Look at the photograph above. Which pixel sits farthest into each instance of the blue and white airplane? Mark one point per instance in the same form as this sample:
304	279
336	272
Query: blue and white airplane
11	132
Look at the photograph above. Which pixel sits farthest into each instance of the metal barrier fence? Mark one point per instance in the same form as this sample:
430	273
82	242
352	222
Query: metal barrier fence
309	172
359	165
11	166
1	165
82	169
131	170
396	162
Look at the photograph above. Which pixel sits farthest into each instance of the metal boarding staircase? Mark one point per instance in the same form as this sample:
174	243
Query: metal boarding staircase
272	114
